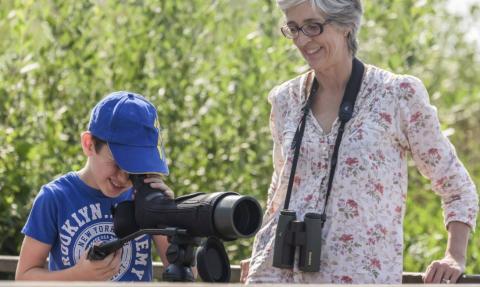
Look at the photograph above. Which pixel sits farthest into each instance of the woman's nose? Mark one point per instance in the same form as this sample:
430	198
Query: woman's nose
301	39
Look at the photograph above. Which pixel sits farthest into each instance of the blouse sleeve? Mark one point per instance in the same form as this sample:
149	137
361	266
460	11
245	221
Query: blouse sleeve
276	127
434	155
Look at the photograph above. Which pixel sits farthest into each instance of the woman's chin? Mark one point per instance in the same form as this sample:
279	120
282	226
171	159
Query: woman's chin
315	61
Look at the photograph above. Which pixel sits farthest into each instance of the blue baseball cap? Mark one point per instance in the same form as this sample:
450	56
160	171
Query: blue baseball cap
129	125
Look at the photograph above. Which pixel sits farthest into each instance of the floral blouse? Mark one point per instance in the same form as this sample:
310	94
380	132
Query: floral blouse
362	240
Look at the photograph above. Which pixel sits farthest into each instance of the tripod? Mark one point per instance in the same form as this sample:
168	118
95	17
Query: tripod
213	263
181	255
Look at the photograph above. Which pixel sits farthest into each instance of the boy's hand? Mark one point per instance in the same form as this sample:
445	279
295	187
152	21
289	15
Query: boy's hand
98	270
156	181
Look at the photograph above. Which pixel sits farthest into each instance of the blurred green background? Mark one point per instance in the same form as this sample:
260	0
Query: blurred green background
208	66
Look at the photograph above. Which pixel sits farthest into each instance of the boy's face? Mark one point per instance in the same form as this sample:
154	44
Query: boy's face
103	172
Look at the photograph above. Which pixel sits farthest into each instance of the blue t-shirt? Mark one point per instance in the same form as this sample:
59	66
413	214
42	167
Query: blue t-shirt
70	216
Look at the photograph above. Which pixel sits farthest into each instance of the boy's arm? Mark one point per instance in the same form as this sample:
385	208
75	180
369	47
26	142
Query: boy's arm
161	245
33	255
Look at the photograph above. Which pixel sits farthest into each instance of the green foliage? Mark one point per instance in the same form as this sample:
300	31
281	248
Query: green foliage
207	66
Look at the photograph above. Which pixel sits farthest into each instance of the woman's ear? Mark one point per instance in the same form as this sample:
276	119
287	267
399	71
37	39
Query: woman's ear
88	145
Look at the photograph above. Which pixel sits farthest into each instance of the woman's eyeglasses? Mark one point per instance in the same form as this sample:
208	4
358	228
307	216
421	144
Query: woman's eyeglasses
310	29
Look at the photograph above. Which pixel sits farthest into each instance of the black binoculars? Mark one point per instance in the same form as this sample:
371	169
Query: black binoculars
306	234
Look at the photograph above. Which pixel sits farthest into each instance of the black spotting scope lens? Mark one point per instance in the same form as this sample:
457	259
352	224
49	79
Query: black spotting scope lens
237	216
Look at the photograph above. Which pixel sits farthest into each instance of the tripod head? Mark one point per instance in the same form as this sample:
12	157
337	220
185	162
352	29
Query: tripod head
180	254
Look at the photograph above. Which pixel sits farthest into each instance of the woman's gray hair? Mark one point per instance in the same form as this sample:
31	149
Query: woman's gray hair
346	13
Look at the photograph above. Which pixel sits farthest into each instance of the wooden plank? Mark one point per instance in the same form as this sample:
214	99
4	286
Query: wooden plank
416	278
155	284
109	284
8	264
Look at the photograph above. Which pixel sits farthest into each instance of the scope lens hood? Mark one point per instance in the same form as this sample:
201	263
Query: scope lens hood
237	216
213	264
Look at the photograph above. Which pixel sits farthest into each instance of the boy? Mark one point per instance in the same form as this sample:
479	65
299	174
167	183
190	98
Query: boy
72	213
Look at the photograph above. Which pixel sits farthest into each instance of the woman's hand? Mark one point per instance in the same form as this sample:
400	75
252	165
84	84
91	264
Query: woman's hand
244	267
446	270
451	267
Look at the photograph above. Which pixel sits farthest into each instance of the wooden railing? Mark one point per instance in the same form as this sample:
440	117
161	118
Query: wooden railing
8	264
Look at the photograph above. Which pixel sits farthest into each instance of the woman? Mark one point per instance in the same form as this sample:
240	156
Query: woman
362	238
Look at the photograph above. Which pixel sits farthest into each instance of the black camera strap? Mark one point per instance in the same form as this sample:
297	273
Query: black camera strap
297	140
345	114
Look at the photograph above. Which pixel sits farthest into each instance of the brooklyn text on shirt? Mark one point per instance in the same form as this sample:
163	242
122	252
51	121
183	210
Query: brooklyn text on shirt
87	226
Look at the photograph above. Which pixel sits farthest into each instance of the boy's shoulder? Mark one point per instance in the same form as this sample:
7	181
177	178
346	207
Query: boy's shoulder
67	187
71	188
62	183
